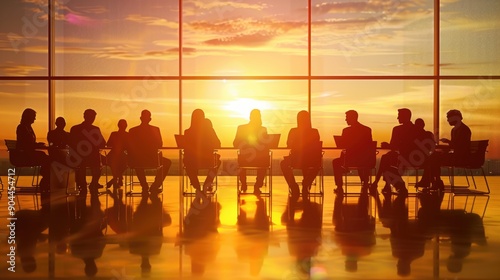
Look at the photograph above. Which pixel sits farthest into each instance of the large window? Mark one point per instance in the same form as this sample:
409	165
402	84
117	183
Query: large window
228	57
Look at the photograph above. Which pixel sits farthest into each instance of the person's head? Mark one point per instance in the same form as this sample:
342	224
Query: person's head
197	118
89	116
404	267
60	123
454	117
255	117
419	124
303	119
404	115
28	116
454	264
351	265
351	117
28	264
145	116
122	124
90	267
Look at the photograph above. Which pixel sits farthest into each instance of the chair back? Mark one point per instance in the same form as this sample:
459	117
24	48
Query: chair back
477	153
365	157
11	145
14	155
309	156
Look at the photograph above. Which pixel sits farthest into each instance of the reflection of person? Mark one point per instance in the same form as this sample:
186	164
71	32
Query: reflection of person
85	141
305	153
146	235
304	236
29	226
145	142
403	143
358	140
201	141
25	153
117	159
253	242
201	237
250	140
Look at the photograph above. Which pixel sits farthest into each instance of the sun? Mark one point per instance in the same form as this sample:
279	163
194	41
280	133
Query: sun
242	107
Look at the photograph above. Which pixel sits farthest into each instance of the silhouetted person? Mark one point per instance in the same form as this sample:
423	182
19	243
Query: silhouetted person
146	234
58	140
145	142
403	143
87	239
358	143
427	138
85	141
201	141
200	236
251	140
305	153
117	158
26	153
253	242
118	213
459	145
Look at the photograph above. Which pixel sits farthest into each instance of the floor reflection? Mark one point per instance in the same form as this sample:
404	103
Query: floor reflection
229	236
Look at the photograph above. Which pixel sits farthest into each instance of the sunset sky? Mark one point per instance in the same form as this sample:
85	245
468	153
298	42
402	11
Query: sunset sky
255	38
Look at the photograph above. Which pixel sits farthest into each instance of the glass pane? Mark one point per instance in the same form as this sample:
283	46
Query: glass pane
23	33
117	38
114	100
470	37
228	104
377	103
245	38
372	37
478	100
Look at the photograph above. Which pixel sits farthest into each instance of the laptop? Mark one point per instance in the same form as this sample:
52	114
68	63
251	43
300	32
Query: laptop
180	140
339	141
274	140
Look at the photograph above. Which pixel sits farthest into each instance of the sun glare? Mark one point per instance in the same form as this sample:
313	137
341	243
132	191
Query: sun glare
242	107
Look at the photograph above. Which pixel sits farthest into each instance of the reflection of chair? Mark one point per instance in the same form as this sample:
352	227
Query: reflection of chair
208	165
364	161
20	169
154	165
471	187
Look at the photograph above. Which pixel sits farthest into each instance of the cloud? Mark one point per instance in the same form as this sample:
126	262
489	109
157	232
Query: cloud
16	69
152	21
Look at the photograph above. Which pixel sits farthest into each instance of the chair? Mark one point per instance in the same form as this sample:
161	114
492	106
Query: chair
187	188
367	161
267	187
311	158
133	163
32	188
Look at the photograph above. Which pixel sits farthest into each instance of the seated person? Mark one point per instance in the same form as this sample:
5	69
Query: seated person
458	150
58	140
358	141
305	154
201	141
403	143
26	153
251	140
145	142
117	157
85	142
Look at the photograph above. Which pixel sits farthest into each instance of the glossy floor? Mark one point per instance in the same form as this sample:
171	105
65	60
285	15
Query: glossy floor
226	238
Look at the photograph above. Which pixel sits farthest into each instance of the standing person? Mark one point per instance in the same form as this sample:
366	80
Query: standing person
201	141
145	142
305	153
250	140
403	143
85	141
26	153
117	158
358	140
